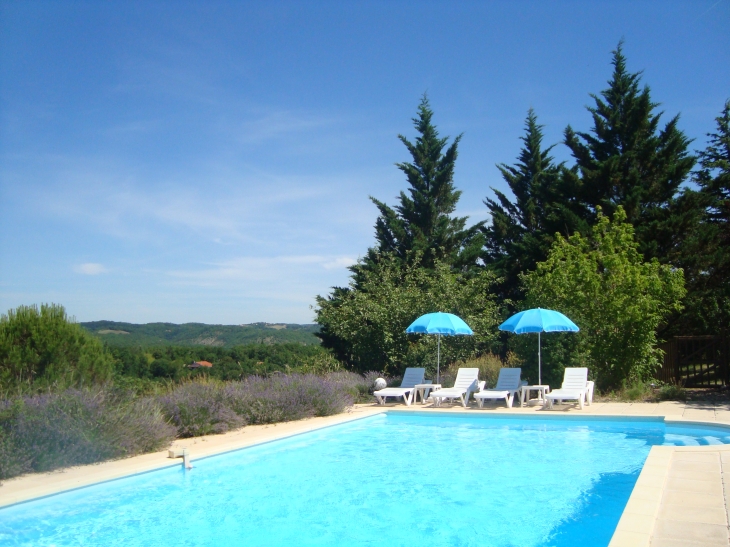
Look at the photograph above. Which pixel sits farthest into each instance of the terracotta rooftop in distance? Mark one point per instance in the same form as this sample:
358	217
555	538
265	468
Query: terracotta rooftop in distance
198	364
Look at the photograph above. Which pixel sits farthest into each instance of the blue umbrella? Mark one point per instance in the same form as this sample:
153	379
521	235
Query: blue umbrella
538	320
440	323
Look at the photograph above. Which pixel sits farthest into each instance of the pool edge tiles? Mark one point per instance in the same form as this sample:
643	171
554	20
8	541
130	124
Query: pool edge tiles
639	516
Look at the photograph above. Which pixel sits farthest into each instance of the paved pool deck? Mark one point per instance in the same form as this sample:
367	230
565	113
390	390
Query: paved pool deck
680	497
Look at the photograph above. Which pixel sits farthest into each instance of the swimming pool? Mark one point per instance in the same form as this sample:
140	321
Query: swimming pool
394	478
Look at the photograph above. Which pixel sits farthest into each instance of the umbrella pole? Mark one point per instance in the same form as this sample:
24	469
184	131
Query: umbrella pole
539	361
438	357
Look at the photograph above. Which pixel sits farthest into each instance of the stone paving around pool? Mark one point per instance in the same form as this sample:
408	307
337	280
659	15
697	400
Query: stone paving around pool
680	498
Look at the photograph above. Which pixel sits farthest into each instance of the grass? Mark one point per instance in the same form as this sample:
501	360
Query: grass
653	391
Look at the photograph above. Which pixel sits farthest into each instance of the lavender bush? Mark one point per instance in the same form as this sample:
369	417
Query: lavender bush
288	397
49	431
200	408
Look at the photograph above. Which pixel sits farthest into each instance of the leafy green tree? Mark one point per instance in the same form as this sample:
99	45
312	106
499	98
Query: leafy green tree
603	284
627	160
520	232
421	224
39	348
371	320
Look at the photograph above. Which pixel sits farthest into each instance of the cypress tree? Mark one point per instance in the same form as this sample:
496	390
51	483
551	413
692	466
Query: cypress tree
520	233
705	252
418	233
421	224
628	160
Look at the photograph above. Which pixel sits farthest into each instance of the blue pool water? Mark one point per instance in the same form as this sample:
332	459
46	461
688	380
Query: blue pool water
395	479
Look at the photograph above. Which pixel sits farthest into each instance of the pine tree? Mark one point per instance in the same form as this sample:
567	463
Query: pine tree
421	224
628	160
521	232
705	253
713	177
416	235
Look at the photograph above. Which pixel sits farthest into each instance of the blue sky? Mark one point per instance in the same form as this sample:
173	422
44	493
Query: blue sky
212	161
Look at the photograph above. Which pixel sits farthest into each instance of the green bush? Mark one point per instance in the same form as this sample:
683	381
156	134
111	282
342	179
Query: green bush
671	392
43	348
370	317
636	392
616	298
488	364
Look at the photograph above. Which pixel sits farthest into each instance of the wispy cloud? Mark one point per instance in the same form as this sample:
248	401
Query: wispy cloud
250	205
90	268
274	125
341	262
277	269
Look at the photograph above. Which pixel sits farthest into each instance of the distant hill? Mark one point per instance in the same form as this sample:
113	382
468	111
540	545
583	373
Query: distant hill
199	334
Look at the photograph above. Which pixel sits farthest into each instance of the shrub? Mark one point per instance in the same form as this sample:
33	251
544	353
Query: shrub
53	430
366	323
320	363
200	408
487	363
636	392
359	387
671	392
40	348
289	397
45	432
617	299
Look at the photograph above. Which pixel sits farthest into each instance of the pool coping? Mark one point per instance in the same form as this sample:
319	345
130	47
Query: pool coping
647	519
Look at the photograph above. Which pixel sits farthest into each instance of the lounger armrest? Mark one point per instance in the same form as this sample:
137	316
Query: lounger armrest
393	391
493	393
566	394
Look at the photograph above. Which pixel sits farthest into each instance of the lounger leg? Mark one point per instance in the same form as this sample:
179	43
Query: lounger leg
407	398
380	400
580	400
480	402
509	399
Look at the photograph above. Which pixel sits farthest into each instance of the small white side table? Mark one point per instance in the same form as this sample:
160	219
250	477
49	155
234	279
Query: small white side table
423	390
541	390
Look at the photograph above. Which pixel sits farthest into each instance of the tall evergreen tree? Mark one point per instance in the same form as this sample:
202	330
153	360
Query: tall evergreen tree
713	177
628	160
417	233
705	252
421	224
520	233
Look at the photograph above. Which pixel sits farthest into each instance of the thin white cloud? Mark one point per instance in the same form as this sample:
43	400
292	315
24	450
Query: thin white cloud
271	270
341	262
90	268
278	124
119	201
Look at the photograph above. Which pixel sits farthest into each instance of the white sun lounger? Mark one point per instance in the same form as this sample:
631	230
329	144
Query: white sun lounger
467	381
508	384
575	388
411	377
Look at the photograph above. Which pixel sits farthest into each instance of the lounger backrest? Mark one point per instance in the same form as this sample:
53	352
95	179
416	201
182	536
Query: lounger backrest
509	379
466	377
575	378
412	377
